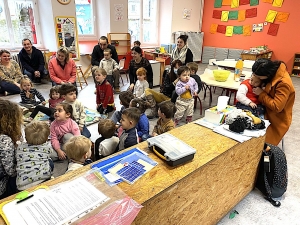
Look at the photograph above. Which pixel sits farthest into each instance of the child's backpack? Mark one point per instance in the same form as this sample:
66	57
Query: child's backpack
272	175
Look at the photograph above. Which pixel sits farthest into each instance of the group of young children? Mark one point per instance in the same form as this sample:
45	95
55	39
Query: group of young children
30	163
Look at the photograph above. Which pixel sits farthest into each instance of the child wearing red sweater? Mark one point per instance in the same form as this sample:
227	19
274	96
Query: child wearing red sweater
104	92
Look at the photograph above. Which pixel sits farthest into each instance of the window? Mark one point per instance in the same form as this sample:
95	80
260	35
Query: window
17	21
85	18
142	21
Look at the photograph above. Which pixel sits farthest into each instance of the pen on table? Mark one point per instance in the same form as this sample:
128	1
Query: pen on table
29	196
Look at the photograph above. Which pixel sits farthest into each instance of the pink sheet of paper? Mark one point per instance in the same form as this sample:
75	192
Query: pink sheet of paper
273	29
217	14
250	13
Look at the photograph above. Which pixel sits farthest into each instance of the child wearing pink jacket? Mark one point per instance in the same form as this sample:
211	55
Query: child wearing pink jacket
62	128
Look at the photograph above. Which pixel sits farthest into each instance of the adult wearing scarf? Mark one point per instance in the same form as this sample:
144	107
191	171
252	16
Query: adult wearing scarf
182	52
278	96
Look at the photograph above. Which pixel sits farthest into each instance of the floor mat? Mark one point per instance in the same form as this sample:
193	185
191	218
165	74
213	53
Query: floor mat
92	116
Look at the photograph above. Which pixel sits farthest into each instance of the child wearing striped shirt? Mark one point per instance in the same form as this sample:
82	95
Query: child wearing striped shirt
29	93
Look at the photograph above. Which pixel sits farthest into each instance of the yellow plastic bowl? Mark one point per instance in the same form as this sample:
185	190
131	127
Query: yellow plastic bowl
221	75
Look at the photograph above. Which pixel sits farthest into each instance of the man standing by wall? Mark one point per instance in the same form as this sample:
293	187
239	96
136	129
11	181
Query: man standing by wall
98	54
32	61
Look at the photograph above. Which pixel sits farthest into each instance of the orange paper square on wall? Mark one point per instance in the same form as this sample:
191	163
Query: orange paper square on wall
282	17
268	1
226	2
242	15
213	28
247	30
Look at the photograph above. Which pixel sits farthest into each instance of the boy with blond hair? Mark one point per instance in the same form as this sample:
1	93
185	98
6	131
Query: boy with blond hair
112	69
107	143
78	150
34	164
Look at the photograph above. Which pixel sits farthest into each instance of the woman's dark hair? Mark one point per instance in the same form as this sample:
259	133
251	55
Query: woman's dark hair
137	49
172	75
182	69
266	67
184	38
67	108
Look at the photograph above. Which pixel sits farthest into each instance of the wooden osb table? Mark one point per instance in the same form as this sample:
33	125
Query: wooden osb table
202	191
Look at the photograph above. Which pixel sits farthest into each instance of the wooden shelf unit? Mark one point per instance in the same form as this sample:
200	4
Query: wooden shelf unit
121	41
296	65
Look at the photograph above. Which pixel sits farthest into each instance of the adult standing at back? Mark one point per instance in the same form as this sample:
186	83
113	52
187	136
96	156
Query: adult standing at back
62	68
181	51
98	55
137	62
278	96
32	61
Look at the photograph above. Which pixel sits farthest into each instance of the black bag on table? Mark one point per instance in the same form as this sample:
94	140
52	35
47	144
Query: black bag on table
272	175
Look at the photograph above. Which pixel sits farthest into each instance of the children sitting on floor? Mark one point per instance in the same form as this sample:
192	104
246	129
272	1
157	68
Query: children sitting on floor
166	111
185	88
141	84
107	143
129	120
104	92
63	128
53	101
28	94
125	98
111	67
78	150
142	126
247	99
34	164
68	92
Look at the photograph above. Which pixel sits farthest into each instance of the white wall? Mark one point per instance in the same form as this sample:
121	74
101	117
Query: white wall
181	24
102	17
119	26
48	10
165	21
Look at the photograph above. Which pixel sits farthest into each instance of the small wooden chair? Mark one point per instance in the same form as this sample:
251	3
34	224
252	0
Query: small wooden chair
195	103
80	73
123	70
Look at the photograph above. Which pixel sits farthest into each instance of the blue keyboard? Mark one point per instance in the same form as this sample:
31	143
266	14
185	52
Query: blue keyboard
132	171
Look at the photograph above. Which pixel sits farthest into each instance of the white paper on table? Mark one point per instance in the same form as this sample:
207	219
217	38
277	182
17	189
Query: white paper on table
62	204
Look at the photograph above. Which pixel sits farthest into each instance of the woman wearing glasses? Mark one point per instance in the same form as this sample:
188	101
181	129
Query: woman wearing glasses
277	94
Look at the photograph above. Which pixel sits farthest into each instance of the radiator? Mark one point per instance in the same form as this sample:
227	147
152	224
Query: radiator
194	42
15	56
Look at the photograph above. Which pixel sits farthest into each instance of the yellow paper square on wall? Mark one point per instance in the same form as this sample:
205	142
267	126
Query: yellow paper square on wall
277	3
235	3
229	31
224	16
271	16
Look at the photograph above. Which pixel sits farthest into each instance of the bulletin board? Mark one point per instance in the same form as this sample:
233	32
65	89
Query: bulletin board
66	34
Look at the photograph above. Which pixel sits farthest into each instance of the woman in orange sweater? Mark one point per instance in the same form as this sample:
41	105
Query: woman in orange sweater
62	69
278	96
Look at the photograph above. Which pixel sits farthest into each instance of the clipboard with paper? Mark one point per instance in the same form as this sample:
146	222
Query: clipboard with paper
65	203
